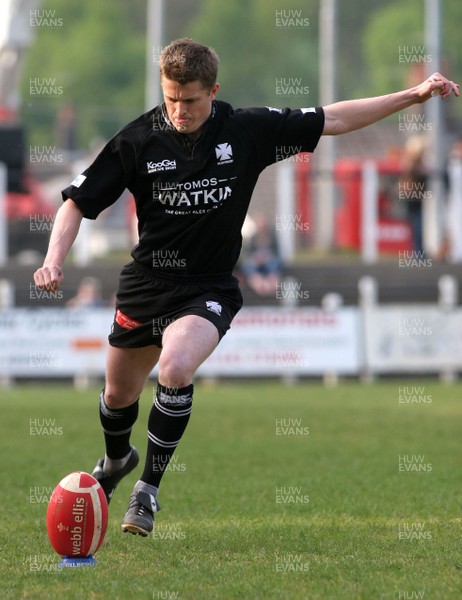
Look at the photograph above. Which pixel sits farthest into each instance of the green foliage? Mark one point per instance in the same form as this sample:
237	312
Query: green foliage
97	56
400	25
392	27
352	72
255	52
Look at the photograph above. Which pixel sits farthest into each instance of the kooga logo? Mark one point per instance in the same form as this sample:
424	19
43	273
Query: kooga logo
163	165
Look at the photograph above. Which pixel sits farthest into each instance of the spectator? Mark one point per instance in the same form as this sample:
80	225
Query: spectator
262	264
452	243
88	294
414	183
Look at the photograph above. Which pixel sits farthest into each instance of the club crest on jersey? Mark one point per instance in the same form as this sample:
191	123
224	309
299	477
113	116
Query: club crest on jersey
163	165
224	153
214	307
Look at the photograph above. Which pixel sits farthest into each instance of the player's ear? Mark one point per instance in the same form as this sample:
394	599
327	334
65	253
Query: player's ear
214	91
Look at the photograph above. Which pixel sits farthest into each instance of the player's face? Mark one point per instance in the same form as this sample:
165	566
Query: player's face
189	105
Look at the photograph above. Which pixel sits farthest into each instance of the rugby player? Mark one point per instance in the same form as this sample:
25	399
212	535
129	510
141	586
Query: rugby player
191	164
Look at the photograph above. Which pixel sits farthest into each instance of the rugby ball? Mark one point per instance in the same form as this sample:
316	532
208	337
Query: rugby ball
77	515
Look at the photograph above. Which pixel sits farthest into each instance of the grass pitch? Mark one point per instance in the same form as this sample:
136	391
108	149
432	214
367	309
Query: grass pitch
274	492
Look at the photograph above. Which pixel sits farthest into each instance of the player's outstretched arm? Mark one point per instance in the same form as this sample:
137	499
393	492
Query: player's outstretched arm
342	117
65	229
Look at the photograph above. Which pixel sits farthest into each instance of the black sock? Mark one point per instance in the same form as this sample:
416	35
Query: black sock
167	421
117	427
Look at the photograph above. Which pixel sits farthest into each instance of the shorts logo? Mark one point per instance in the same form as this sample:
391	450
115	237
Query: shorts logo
224	153
163	165
125	321
214	307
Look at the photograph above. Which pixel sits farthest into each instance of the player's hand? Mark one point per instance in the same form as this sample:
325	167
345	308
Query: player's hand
49	278
435	85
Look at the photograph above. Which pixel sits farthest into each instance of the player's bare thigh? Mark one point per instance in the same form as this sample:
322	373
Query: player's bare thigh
186	342
127	370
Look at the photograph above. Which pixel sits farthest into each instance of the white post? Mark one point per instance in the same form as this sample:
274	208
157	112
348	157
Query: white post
368	298
369	212
447	301
285	207
7	291
454	222
448	292
154	18
6	302
331	303
327	148
433	204
3	216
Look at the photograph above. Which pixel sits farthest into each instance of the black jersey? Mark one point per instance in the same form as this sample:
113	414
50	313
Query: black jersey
192	196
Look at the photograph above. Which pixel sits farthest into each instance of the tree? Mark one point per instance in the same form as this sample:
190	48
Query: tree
98	55
352	20
257	51
394	44
94	60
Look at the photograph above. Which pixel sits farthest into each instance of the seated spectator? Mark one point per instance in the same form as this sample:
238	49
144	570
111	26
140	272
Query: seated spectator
88	294
261	263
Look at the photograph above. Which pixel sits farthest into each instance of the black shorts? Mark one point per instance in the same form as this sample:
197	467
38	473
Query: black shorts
146	303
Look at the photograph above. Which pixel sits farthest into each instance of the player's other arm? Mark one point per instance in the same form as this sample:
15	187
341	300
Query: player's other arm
342	117
65	228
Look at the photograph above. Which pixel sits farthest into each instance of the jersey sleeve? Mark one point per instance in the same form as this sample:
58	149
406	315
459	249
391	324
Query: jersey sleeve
280	133
104	181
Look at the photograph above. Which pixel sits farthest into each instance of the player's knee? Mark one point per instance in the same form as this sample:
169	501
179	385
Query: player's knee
117	398
174	371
